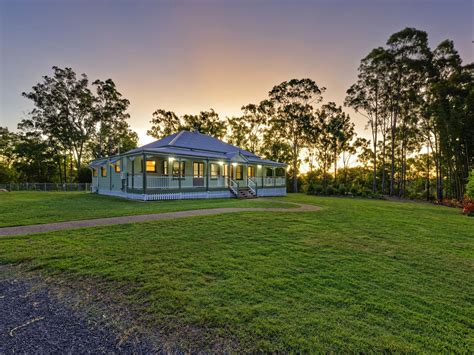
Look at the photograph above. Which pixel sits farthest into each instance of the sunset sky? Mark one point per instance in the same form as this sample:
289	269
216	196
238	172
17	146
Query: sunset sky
188	56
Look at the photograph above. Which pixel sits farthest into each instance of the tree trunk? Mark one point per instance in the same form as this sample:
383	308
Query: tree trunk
295	167
428	173
383	166
392	163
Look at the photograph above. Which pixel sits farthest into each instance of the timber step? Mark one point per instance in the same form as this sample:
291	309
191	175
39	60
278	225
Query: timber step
245	192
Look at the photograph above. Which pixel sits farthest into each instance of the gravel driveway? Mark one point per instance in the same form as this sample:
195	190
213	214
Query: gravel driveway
33	320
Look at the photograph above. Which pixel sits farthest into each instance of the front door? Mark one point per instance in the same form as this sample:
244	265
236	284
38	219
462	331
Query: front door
198	174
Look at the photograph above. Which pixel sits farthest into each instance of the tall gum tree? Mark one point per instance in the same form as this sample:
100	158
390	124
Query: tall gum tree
366	96
293	101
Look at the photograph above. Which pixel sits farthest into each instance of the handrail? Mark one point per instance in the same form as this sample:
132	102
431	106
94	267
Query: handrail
252	185
232	184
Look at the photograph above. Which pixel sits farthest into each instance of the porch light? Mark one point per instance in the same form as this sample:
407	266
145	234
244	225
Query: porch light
221	163
259	166
234	164
170	159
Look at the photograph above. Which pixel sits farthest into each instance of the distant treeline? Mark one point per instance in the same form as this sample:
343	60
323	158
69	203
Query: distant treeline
418	103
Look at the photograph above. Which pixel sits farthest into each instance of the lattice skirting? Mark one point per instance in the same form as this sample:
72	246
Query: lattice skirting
274	191
169	196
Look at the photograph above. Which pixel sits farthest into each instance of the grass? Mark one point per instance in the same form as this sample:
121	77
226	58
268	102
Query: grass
26	208
359	275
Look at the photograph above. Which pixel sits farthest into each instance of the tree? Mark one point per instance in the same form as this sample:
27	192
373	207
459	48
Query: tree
410	54
366	95
163	123
340	131
35	159
247	130
63	111
451	93
207	122
112	132
293	101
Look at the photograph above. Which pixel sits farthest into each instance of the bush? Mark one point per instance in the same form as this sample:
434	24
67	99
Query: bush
468	207
318	189
342	189
470	186
451	203
310	188
330	190
84	175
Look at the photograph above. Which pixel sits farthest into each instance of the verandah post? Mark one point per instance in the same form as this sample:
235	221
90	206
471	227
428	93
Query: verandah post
207	175
144	172
133	173
179	174
110	174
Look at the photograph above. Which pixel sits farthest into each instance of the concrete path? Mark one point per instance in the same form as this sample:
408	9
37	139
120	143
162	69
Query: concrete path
49	227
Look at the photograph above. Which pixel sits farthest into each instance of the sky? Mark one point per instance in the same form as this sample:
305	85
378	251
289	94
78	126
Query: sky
188	56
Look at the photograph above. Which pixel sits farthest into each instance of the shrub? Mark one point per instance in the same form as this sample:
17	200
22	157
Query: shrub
451	203
470	186
310	188
468	207
342	189
318	189
330	190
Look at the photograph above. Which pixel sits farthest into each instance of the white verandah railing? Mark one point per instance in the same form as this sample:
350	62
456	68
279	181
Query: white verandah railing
162	182
274	181
172	182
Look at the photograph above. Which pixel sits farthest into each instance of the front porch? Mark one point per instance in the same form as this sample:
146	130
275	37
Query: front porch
151	176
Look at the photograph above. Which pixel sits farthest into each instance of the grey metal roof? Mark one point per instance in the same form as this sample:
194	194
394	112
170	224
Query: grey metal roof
188	143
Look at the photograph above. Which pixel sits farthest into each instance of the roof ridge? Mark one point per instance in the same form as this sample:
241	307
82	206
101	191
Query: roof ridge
176	138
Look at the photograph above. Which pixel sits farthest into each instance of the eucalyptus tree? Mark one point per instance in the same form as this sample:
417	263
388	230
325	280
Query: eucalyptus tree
247	130
63	111
452	104
410	52
367	95
340	131
207	122
163	123
112	132
294	112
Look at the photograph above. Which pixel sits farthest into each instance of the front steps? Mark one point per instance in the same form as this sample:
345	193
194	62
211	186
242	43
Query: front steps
245	193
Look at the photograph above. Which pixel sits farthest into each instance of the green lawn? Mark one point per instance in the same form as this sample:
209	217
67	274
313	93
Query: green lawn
358	275
25	208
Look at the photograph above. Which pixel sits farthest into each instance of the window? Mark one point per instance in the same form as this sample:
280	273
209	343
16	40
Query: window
198	169
214	171
226	170
103	171
280	172
251	171
117	167
94	172
151	166
178	169
269	172
164	167
239	172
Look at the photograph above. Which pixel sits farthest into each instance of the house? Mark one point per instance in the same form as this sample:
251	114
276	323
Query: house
188	165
